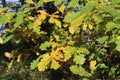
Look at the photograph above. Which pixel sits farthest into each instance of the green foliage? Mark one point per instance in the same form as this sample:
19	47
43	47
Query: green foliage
87	40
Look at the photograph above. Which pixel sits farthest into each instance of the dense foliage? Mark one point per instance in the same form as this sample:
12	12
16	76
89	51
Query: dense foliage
78	36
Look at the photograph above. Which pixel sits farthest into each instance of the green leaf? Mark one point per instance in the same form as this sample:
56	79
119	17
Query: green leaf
79	59
102	65
83	50
118	45
58	1
5	18
76	19
30	25
34	64
102	39
44	45
3	9
7	37
75	15
74	69
109	9
69	52
73	3
111	25
54	65
79	70
19	19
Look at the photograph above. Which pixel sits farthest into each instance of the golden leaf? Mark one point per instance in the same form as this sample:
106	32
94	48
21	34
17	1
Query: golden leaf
43	64
92	64
90	26
76	23
55	21
19	57
55	65
53	45
62	8
31	18
30	1
47	1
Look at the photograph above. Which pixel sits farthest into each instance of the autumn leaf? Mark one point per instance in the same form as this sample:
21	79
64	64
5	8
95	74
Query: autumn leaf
1	41
62	8
55	21
54	65
76	23
90	26
47	1
43	64
30	1
19	57
92	64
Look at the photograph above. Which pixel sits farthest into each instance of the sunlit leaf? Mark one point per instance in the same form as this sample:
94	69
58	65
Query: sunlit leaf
54	65
55	21
79	59
19	19
47	1
62	8
4	18
34	64
92	64
79	70
44	45
7	37
45	61
1	40
3	9
7	54
90	26
74	69
76	23
58	1
30	1
73	3
19	57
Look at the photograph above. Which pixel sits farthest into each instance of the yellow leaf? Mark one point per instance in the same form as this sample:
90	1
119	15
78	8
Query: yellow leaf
1	41
92	64
42	16
47	1
62	8
57	54
90	26
53	45
76	23
31	18
43	64
55	65
118	37
30	1
19	57
55	21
